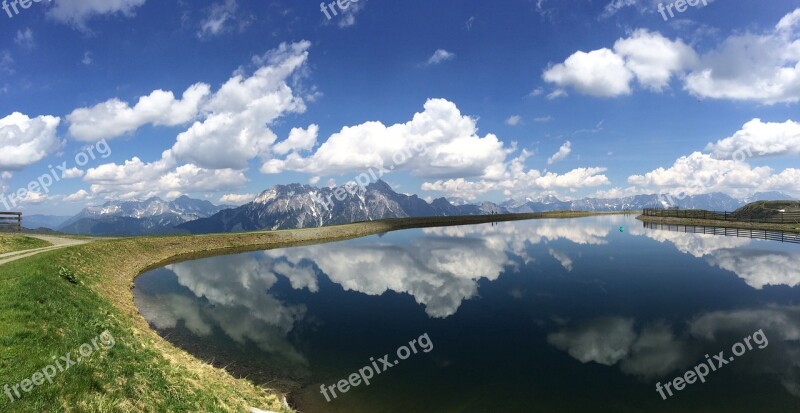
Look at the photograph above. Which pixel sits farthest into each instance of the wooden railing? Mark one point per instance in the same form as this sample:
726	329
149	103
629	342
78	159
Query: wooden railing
775	218
780	236
11	221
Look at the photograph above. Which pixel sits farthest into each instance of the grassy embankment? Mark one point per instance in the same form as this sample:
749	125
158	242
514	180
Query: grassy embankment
14	243
43	315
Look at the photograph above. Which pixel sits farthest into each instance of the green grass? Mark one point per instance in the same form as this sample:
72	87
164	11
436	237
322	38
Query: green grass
766	209
53	302
13	243
43	315
65	317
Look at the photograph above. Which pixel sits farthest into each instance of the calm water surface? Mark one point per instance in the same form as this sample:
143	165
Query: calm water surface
539	316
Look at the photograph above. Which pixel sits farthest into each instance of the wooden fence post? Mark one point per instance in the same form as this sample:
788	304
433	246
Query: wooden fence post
11	220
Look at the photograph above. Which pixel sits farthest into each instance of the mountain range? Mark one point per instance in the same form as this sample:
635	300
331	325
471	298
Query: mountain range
153	216
302	206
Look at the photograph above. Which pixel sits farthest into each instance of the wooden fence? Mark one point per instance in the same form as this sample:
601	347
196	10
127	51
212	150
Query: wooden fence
11	221
780	236
776	218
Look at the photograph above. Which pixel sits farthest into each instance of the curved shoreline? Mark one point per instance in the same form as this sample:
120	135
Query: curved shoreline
309	236
107	270
312	236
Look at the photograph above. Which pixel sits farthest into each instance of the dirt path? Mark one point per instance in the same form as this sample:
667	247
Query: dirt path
58	242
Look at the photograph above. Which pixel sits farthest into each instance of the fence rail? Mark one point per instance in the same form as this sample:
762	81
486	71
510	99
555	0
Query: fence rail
11	221
775	218
779	236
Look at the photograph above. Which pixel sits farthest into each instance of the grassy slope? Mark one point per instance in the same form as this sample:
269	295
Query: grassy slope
765	209
13	243
42	315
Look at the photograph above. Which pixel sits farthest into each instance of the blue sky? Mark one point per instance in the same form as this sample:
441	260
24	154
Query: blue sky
223	99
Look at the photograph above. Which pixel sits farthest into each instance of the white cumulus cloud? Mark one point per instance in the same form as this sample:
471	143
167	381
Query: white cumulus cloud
138	180
77	196
114	118
758	138
597	73
213	153
25	141
439	141
700	173
648	57
77	12
763	67
562	153
236	199
235	128
299	140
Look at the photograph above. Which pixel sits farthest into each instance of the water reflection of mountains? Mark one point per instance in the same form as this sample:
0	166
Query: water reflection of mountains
442	267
